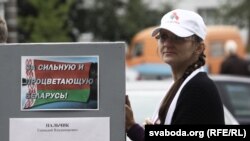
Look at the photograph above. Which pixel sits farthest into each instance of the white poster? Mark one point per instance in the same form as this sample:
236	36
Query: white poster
60	129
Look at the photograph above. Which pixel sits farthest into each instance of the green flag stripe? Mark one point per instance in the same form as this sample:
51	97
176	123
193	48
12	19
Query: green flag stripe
48	96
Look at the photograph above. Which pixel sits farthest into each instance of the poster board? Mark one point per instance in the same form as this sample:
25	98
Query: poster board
110	58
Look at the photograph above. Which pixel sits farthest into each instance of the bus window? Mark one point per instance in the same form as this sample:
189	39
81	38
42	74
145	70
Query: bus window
138	50
216	49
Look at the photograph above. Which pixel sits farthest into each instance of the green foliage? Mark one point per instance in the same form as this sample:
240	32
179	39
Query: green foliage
113	20
47	23
135	19
238	12
64	20
105	20
138	17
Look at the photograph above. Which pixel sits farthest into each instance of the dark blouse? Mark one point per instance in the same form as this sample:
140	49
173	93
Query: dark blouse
199	103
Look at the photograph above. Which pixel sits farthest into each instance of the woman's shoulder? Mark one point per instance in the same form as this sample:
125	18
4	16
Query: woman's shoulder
200	82
201	79
200	88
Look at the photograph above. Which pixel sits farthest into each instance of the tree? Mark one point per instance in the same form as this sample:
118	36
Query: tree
105	20
138	16
64	20
101	19
44	21
113	20
238	12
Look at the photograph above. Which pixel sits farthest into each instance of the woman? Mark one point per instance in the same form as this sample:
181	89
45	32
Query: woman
193	98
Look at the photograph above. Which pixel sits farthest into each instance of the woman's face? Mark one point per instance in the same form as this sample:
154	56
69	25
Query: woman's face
176	51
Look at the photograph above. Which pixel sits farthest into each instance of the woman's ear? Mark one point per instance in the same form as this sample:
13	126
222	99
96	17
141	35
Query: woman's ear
200	48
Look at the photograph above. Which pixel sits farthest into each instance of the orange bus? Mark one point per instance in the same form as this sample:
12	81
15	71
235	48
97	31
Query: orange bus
142	53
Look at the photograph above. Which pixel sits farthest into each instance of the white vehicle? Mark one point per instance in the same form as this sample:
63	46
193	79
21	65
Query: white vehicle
131	75
145	97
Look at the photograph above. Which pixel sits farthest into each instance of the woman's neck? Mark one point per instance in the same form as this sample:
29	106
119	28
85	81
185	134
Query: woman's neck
179	70
177	73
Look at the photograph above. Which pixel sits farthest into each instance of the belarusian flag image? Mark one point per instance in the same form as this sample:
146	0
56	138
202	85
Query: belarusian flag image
54	84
